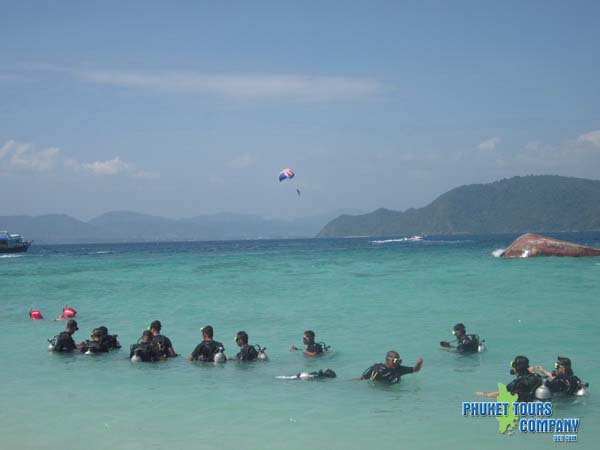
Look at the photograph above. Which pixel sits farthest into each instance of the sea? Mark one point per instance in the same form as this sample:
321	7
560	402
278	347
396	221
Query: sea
361	296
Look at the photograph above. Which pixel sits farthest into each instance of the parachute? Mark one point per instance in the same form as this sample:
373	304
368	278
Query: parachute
286	174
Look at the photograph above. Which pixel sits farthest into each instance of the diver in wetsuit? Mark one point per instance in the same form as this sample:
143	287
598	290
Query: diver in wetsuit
64	341
562	379
95	345
524	386
163	343
208	348
390	371
466	343
247	352
101	341
312	348
327	373
146	349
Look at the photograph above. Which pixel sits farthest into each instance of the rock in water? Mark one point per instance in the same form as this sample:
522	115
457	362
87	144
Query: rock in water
529	245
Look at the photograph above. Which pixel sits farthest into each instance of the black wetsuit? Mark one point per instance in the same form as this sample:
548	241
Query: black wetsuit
568	384
524	386
94	347
314	348
381	372
110	341
163	344
148	352
327	373
468	344
64	343
247	353
206	350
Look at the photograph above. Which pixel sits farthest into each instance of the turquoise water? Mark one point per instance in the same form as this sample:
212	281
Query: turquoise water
362	298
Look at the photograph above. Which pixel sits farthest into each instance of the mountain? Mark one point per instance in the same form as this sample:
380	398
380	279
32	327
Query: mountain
127	226
52	228
535	203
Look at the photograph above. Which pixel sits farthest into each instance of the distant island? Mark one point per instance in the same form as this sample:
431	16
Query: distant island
127	226
535	203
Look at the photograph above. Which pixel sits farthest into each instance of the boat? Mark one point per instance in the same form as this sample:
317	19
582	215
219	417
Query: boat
13	243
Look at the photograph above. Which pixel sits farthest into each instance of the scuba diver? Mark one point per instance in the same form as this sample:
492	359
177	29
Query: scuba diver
524	386
312	348
163	343
390	371
563	379
146	349
467	343
327	373
101	341
209	349
64	341
95	345
248	352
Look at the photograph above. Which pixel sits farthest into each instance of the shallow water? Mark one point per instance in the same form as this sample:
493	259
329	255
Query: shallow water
362	298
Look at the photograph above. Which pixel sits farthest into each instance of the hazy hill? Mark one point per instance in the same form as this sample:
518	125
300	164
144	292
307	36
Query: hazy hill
127	226
532	203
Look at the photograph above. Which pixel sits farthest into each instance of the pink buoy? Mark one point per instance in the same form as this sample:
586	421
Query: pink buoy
35	314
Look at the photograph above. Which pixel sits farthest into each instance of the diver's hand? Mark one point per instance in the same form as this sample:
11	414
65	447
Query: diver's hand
189	358
480	394
293	348
445	344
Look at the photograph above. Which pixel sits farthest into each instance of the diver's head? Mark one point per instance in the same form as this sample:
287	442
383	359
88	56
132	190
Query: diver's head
563	365
519	366
309	337
241	338
155	327
459	330
102	330
97	335
71	326
147	336
392	359
207	332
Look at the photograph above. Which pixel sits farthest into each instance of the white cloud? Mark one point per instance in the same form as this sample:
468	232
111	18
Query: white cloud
243	161
109	167
24	157
15	156
241	86
489	144
592	138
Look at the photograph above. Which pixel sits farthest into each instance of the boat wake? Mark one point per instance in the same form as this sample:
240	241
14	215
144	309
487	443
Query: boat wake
11	256
404	239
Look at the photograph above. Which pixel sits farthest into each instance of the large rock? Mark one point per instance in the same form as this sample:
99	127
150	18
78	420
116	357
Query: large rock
529	245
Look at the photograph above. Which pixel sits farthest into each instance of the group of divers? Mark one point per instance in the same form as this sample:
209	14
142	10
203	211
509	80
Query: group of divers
530	384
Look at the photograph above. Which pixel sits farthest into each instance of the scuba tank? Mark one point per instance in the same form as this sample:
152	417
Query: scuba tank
481	346
134	352
261	352
583	390
219	357
52	343
543	393
325	346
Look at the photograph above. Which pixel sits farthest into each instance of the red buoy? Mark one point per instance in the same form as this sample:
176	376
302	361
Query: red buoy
35	314
68	313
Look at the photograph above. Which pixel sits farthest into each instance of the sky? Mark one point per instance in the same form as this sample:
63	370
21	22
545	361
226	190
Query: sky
194	107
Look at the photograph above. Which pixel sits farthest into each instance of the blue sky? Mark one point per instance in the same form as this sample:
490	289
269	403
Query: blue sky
185	108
